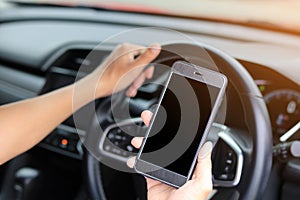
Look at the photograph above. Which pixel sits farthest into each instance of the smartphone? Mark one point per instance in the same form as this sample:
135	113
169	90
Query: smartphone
181	123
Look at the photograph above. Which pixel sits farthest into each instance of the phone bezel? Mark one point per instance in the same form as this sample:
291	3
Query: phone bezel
200	74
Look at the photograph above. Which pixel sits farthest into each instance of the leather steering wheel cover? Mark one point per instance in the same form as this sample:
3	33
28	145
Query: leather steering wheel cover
256	116
258	122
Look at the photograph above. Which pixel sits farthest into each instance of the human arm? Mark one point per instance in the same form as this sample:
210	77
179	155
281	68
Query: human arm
25	123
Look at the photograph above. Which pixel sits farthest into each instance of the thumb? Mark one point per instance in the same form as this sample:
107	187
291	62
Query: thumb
149	55
204	161
203	172
201	184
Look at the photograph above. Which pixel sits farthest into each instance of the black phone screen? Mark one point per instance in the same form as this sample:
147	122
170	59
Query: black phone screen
179	124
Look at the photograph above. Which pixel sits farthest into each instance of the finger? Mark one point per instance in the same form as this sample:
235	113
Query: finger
132	74
132	49
137	142
125	50
151	183
131	161
149	72
146	117
131	92
137	50
202	178
139	81
203	168
146	57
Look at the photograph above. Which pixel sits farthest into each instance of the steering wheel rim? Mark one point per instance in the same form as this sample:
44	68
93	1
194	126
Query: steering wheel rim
257	120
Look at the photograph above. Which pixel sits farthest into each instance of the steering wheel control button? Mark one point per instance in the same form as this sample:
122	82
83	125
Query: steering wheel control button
117	151
224	166
227	160
107	148
130	148
116	140
120	139
111	136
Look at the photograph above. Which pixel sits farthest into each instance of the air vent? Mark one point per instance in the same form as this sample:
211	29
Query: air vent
64	71
85	59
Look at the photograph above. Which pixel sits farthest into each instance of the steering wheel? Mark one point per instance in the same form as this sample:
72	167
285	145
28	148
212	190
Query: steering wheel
242	156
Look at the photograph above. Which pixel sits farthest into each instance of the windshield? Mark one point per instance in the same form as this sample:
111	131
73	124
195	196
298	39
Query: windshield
274	14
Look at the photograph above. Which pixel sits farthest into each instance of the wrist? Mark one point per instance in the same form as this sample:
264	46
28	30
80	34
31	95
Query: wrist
91	88
83	92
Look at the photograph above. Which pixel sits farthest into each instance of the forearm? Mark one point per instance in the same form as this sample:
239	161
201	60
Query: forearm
23	124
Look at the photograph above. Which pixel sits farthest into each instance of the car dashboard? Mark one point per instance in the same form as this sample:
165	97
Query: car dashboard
42	49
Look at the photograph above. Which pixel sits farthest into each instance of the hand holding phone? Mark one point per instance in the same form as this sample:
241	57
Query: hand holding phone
180	125
196	189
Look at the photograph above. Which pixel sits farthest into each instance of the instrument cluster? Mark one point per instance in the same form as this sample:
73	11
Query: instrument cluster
283	103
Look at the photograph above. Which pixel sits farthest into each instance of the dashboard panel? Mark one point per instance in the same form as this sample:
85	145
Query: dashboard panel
61	68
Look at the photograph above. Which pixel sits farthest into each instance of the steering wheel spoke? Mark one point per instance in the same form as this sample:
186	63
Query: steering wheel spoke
115	142
227	158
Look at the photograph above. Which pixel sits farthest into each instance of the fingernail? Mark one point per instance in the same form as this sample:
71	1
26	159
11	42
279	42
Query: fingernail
205	150
130	162
149	72
138	140
155	48
147	114
133	93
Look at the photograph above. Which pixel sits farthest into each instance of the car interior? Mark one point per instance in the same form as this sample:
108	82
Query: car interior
45	45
